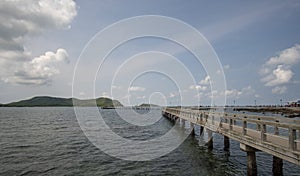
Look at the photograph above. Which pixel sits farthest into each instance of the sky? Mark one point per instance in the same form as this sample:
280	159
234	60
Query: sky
55	48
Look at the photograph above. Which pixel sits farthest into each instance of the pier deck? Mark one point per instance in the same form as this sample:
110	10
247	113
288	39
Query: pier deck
277	136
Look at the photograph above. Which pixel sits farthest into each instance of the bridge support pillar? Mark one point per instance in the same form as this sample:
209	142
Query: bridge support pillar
251	159
201	130
277	166
226	143
210	144
193	129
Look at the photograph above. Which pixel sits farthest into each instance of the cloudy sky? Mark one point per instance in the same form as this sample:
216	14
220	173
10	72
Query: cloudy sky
257	44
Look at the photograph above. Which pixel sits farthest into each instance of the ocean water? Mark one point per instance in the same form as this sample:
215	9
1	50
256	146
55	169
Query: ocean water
49	141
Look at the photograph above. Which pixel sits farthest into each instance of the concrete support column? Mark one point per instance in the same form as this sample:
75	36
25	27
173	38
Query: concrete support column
251	159
277	166
201	130
210	144
251	163
226	143
193	129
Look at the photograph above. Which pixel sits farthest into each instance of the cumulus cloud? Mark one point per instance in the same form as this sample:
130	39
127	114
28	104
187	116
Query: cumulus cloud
235	93
116	87
279	89
198	87
288	56
278	69
136	89
39	70
205	81
19	21
141	97
171	95
105	95
278	76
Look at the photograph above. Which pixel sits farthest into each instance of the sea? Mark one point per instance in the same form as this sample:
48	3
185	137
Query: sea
50	141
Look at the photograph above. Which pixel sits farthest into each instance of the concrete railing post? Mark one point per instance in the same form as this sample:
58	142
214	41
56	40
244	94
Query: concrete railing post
258	125
276	130
263	132
230	124
245	126
292	138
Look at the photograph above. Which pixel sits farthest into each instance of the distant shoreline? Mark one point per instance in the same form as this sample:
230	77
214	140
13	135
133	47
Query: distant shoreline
288	111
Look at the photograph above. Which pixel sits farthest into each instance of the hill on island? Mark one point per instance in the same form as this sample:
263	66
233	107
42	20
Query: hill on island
42	101
148	105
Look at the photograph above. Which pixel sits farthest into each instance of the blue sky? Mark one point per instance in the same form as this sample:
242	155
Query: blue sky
256	43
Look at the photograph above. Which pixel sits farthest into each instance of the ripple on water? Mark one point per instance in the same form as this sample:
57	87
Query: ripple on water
49	141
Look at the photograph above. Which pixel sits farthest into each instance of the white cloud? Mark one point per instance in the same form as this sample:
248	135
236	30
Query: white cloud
141	97
198	87
288	56
212	94
279	76
19	21
279	89
205	81
235	93
199	95
264	70
257	96
105	95
39	70
136	89
116	87
248	90
278	69
171	95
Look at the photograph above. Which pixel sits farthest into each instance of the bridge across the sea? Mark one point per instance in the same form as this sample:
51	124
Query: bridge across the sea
277	136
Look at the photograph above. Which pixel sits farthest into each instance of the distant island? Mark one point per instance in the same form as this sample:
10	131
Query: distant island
148	105
43	101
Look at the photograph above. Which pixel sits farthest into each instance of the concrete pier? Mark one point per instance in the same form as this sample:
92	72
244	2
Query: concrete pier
226	143
193	128
251	159
210	144
251	164
239	127
201	130
277	166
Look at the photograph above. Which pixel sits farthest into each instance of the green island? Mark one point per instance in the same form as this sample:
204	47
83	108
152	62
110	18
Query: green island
43	101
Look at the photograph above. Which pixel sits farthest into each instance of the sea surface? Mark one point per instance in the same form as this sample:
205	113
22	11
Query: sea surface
49	141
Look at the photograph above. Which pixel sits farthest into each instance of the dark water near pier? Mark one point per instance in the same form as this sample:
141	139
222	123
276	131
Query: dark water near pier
49	141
